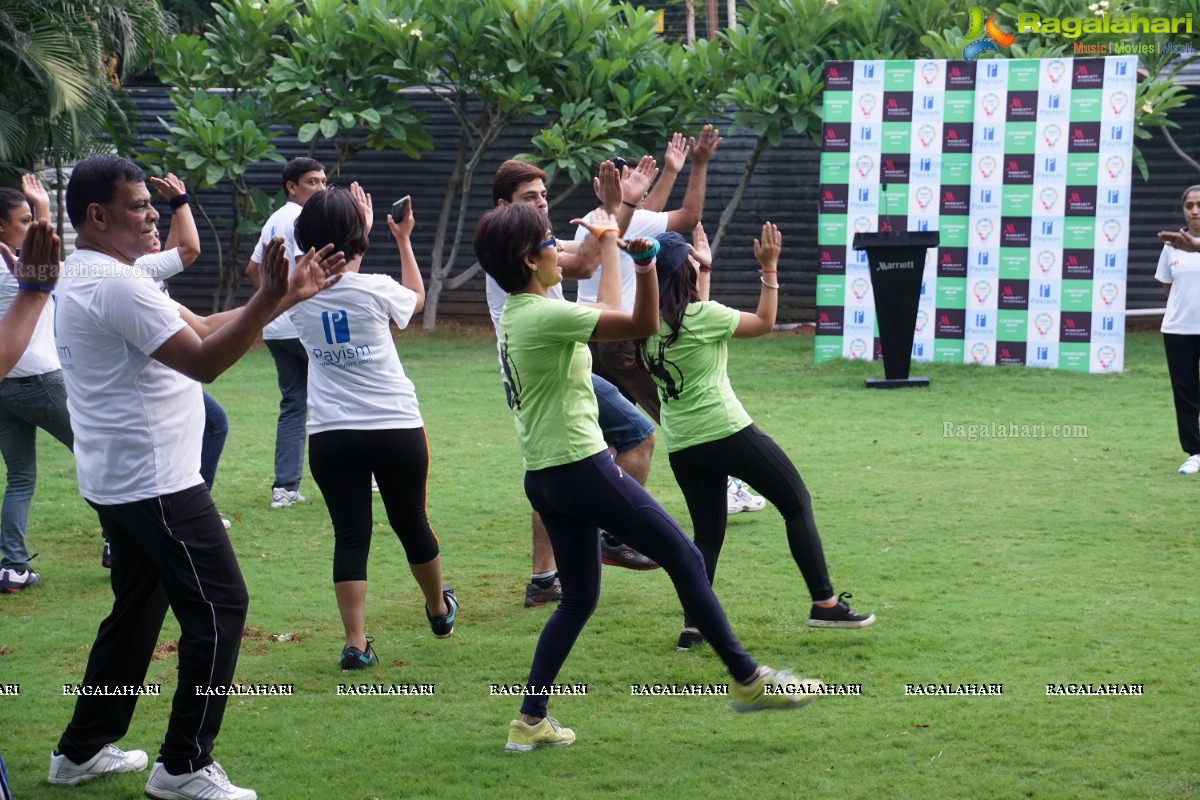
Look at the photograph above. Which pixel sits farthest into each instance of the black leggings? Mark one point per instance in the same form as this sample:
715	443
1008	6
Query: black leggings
752	456
342	462
1183	355
574	499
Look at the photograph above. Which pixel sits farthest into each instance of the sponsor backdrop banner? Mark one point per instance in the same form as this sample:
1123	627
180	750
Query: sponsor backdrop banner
1023	166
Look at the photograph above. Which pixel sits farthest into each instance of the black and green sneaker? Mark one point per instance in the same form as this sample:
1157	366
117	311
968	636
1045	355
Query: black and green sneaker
444	626
353	658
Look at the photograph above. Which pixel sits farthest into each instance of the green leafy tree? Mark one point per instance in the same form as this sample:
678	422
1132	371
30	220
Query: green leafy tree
213	138
212	135
61	98
340	72
795	37
605	82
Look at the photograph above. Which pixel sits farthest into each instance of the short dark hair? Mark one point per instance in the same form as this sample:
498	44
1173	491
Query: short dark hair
9	200
332	216
504	237
94	180
510	175
297	168
1188	191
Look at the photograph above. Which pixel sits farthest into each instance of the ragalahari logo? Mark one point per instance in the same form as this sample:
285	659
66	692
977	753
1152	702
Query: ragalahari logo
983	37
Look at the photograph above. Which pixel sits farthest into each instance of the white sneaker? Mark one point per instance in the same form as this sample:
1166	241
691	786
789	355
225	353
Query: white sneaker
210	783
109	761
1191	466
738	498
14	580
282	498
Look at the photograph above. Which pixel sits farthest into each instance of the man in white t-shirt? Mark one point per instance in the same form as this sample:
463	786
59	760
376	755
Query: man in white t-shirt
133	367
302	178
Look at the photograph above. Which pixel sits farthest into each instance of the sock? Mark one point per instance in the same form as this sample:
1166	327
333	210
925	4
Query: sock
543	580
830	603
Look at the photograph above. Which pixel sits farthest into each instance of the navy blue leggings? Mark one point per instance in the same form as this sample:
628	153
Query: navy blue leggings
754	457
574	501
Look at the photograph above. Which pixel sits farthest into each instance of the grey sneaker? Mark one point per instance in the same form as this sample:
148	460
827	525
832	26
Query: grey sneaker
111	760
773	688
209	783
282	498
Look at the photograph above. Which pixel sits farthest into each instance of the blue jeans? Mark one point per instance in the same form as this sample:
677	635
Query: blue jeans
26	404
291	362
216	429
621	424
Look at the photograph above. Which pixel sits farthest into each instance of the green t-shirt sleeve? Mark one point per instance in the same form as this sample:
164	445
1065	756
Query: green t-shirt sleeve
710	321
568	322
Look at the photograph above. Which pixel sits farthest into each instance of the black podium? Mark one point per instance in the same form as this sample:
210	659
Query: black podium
897	262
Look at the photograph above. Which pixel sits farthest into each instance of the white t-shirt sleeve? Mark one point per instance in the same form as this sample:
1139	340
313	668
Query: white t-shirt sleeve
138	312
1163	273
161	265
399	300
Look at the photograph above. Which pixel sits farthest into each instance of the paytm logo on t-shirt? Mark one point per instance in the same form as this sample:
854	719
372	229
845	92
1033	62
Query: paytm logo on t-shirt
337	326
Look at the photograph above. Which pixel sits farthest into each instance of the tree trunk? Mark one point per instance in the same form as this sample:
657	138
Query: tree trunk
460	185
218	293
743	183
714	18
689	13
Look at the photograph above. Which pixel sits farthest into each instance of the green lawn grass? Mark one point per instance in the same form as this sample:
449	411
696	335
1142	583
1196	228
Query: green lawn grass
1022	561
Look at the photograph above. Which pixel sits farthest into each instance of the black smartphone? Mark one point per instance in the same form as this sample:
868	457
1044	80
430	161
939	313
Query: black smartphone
400	210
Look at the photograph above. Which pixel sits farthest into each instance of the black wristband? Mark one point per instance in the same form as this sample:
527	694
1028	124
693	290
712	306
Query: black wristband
631	205
180	200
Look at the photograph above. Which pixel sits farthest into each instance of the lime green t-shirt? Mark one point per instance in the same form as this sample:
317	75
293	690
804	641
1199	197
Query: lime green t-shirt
698	403
543	345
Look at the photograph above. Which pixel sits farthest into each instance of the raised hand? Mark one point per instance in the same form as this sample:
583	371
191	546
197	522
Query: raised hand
608	187
767	247
33	190
601	224
699	247
169	187
641	248
677	151
364	203
315	272
38	262
636	182
403	228
704	149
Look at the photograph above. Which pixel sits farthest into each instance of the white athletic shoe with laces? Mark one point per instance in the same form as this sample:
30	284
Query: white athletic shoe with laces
738	498
282	498
209	783
109	761
1191	466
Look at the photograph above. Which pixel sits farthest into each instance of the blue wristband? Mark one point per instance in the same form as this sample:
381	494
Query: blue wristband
647	256
35	287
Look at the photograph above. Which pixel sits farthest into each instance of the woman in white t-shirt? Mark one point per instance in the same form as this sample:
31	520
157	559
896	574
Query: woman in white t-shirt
32	395
1179	273
363	415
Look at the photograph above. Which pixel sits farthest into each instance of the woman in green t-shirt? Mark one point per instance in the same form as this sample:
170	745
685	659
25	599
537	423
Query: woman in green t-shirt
708	433
571	478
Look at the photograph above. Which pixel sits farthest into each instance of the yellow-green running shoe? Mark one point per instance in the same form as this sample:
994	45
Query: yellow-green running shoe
774	688
548	733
